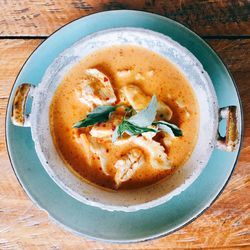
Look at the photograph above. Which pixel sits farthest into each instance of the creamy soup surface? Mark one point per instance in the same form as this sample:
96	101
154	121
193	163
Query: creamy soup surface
134	74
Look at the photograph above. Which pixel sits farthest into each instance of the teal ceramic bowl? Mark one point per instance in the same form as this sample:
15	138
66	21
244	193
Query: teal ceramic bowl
120	226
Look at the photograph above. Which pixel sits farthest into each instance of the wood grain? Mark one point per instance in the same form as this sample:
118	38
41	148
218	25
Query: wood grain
207	18
226	225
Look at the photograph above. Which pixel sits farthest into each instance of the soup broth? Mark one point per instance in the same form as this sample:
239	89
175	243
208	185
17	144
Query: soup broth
89	152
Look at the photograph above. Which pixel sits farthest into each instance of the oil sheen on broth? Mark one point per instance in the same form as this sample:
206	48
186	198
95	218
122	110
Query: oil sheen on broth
90	154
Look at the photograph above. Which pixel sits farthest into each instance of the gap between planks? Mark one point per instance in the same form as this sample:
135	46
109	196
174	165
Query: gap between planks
219	37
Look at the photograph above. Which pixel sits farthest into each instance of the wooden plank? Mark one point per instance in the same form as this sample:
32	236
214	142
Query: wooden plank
224	226
207	18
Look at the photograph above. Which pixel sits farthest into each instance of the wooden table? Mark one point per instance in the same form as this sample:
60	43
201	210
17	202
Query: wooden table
225	25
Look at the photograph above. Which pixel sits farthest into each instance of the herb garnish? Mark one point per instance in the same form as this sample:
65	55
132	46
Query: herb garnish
130	129
169	128
99	114
146	116
135	124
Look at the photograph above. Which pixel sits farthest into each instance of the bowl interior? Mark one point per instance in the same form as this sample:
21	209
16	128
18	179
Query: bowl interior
140	198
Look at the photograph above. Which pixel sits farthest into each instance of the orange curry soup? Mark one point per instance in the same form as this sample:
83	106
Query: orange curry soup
131	76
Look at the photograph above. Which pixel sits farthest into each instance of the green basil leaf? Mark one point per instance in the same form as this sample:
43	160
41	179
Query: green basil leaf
145	117
130	129
99	114
169	128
